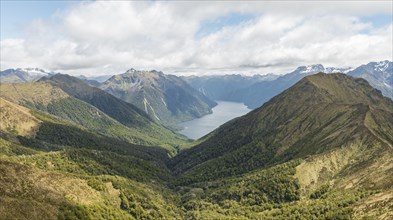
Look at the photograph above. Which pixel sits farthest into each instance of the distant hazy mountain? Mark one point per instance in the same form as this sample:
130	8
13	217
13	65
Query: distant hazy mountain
254	91
258	93
220	87
21	75
99	79
378	74
167	99
251	90
89	81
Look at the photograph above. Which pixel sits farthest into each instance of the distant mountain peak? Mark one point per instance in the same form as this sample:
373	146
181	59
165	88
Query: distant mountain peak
132	70
378	74
20	75
311	68
337	70
316	68
166	98
64	78
382	66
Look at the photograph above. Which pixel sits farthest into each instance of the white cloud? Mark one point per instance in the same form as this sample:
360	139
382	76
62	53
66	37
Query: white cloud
109	37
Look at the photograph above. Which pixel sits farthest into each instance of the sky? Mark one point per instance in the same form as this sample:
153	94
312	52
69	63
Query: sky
193	37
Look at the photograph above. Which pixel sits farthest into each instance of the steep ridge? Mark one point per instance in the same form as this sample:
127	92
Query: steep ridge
44	96
125	113
320	150
167	99
320	113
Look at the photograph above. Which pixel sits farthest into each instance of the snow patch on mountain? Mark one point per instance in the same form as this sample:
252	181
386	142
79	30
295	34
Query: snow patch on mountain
316	68
378	74
337	70
310	69
382	66
36	72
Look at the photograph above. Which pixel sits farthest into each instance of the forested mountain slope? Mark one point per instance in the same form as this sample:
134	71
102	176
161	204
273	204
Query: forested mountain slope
320	113
320	150
63	171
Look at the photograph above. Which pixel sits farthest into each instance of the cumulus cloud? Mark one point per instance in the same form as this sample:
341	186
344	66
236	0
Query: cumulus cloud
102	37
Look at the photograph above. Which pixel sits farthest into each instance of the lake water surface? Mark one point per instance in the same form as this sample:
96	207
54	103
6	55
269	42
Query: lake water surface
222	113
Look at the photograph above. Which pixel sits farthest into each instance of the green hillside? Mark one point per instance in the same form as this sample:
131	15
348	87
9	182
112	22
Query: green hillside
49	97
123	112
320	150
64	171
320	113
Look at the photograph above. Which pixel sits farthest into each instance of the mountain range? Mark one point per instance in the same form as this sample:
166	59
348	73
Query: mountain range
254	92
167	99
260	92
321	149
21	75
69	98
378	74
218	87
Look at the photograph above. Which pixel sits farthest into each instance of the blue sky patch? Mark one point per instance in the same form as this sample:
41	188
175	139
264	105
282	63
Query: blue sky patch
16	15
232	19
378	20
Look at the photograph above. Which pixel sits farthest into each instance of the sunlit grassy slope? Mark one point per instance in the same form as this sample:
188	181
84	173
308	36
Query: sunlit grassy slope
126	124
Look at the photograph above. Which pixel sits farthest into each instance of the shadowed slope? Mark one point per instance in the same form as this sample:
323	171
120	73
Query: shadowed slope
167	99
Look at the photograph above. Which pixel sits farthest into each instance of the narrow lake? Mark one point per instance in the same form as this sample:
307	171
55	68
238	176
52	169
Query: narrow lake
222	113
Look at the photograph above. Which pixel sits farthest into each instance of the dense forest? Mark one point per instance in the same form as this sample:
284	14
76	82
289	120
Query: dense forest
320	150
